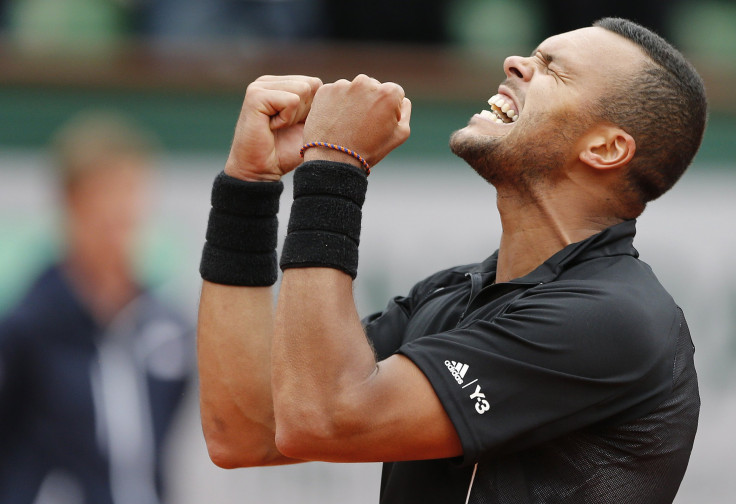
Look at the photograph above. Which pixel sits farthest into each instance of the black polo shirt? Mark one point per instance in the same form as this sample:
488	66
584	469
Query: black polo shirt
574	383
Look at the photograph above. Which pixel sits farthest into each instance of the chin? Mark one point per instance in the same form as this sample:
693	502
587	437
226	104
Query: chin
479	151
464	140
471	146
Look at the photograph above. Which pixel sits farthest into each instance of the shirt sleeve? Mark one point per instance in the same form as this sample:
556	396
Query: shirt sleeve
562	357
386	329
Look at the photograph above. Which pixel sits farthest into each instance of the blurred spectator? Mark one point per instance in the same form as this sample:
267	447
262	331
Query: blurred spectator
92	366
565	15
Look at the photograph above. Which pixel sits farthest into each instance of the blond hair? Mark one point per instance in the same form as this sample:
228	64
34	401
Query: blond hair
87	142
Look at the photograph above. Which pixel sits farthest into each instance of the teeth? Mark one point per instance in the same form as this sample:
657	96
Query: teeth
491	116
499	107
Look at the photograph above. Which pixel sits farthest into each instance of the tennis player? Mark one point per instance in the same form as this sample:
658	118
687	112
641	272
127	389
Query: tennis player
556	370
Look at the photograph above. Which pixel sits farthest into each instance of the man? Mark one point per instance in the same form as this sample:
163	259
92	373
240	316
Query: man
92	366
557	370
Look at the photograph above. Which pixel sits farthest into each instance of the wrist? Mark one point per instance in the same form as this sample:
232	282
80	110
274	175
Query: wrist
244	172
340	152
242	233
324	227
330	155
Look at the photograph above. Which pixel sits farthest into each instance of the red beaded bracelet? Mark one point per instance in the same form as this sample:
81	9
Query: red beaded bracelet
340	148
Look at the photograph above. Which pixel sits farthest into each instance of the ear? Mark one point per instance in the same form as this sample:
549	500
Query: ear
607	147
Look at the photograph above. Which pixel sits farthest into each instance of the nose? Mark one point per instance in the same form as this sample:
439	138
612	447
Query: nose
516	66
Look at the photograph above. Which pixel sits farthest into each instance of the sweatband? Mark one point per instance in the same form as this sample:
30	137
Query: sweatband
242	233
324	227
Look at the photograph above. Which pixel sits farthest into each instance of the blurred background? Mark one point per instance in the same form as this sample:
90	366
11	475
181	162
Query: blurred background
179	68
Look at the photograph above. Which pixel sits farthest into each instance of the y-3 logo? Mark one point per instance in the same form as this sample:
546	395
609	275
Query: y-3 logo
459	371
481	405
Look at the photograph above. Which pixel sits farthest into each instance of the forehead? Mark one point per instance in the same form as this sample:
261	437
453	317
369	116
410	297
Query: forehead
593	49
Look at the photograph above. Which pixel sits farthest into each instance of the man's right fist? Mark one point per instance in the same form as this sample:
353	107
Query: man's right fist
269	132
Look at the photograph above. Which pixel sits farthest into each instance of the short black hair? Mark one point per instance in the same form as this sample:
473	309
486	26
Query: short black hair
664	108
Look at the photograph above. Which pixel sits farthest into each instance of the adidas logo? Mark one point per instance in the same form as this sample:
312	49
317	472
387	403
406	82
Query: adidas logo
457	369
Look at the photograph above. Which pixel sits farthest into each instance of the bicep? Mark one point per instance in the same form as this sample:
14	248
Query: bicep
394	415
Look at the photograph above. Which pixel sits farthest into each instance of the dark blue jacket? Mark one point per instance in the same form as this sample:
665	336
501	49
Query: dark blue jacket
84	409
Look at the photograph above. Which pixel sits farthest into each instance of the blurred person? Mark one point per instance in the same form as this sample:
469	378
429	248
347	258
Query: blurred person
556	370
92	365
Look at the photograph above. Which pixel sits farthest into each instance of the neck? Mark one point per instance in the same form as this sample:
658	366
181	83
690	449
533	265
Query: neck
536	226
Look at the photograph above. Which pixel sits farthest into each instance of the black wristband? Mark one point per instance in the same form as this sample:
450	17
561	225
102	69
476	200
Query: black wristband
324	227
242	233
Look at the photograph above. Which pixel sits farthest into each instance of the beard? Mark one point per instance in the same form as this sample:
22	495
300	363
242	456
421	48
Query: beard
521	159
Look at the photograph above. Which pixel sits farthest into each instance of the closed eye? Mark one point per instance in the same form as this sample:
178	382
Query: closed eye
544	57
546	60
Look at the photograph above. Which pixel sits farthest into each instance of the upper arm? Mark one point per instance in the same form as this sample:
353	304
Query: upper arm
559	360
393	415
541	369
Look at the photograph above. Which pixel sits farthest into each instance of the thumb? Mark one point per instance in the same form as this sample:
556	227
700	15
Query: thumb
284	118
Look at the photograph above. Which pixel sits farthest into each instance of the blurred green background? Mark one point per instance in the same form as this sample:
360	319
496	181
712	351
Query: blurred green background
61	56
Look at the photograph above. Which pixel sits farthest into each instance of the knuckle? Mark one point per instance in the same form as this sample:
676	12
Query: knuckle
387	91
366	81
324	89
394	88
303	88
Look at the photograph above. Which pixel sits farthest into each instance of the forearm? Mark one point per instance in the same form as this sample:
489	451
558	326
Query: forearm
322	361
234	346
321	358
235	325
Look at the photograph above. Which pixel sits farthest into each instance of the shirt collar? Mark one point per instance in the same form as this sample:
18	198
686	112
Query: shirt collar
612	241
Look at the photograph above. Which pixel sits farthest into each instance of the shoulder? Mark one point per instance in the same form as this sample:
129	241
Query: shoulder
28	313
615	320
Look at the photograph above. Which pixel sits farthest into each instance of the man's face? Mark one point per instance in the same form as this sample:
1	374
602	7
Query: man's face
106	208
533	122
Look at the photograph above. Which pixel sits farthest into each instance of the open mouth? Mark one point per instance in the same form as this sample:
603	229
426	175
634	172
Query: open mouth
502	110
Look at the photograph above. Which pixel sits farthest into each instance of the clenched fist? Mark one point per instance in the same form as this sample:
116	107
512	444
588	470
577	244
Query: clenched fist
364	115
269	132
